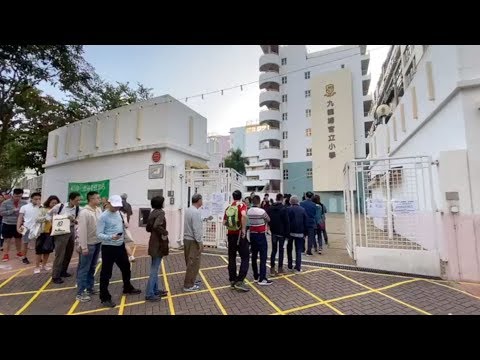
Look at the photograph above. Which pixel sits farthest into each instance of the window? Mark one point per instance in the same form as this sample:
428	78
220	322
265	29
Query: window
285	154
285	135
307	93
342	66
309	151
284	61
308	112
284	79
284	98
307	75
308	132
285	174
309	173
285	116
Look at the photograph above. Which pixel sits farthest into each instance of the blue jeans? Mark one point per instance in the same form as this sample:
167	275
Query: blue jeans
86	268
259	245
278	241
298	252
152	285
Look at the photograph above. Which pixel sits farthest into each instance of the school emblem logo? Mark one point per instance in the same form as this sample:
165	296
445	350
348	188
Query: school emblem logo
330	90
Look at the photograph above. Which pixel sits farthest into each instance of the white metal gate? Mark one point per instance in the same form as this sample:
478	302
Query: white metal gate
390	215
216	187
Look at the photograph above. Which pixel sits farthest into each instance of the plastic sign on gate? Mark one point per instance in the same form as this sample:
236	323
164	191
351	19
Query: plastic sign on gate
376	208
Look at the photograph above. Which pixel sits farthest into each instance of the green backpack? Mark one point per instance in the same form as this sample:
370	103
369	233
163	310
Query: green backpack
233	220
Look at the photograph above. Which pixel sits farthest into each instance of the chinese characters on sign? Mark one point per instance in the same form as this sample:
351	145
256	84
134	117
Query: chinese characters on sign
102	187
329	93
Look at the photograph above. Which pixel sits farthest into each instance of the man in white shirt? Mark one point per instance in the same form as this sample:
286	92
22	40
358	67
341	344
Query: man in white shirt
28	218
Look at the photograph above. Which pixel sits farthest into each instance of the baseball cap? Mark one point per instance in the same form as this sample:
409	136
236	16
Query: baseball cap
115	201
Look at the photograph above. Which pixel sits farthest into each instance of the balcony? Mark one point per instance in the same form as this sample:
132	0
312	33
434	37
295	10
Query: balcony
366	83
367	104
269	116
255	183
270	153
365	60
270	134
270	99
269	62
270	80
270	174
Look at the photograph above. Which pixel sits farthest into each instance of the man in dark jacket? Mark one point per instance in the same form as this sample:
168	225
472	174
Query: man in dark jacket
311	209
298	221
280	228
126	207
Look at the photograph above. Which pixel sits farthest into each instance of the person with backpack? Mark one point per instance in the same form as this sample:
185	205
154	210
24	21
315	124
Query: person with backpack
64	244
235	219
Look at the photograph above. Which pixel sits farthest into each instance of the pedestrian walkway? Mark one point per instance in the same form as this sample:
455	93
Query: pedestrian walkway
316	291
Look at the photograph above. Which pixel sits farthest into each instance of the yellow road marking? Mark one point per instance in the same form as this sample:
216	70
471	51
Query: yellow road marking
122	305
385	295
95	310
11	278
32	299
19	293
167	288
315	297
217	300
451	287
265	297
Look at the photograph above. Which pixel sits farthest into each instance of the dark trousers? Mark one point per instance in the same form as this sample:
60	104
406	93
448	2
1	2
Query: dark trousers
319	233
242	247
298	252
259	246
192	260
64	245
114	255
277	242
311	240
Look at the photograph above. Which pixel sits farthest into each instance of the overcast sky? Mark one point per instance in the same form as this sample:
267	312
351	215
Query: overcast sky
186	70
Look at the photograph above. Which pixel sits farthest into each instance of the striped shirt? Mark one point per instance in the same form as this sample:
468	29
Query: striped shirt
258	219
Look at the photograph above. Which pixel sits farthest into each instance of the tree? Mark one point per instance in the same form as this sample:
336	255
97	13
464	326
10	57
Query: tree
24	67
235	161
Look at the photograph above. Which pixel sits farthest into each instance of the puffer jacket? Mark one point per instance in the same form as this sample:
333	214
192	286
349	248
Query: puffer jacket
157	227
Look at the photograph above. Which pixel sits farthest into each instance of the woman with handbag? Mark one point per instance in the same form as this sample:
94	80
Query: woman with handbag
157	247
44	245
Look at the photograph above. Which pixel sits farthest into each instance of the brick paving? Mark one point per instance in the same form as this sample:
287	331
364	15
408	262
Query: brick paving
293	294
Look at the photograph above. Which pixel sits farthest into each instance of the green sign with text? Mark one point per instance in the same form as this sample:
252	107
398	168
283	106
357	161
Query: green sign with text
102	187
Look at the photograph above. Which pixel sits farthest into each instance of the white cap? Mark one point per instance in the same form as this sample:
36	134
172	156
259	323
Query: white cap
115	201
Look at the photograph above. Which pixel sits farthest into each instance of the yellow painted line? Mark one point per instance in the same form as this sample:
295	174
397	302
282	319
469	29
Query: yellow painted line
223	258
377	274
396	284
74	306
122	305
11	278
217	300
19	293
264	297
451	287
60	289
167	288
285	312
379	292
2	314
315	297
95	310
32	299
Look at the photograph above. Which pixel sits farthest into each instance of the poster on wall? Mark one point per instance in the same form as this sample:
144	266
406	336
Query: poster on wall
102	187
404	207
376	208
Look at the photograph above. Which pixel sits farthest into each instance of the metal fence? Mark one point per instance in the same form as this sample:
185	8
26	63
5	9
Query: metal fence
216	187
390	209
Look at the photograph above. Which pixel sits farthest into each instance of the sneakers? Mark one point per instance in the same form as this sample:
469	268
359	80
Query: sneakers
290	270
108	303
5	258
57	281
46	268
65	275
19	255
320	252
25	261
153	298
308	254
296	271
232	285
272	271
240	286
132	291
161	293
265	282
83	298
280	271
131	258
192	289
255	281
37	270
198	282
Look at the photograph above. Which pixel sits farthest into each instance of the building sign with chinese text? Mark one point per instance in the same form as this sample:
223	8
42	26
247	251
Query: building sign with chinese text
333	133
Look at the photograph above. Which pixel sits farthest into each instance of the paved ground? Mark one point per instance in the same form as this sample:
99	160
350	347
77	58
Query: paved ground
317	291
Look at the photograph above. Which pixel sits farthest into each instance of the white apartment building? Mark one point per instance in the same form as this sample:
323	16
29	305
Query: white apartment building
433	92
305	143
